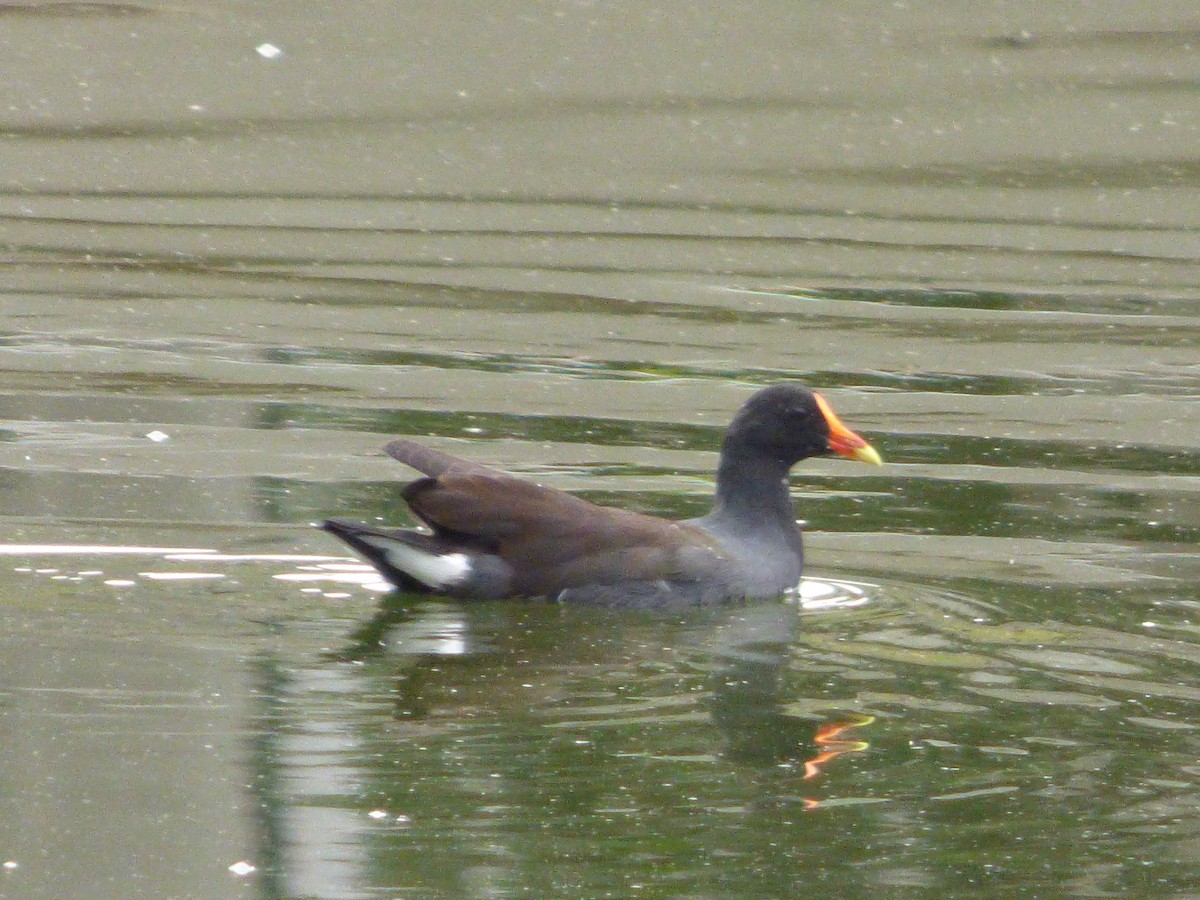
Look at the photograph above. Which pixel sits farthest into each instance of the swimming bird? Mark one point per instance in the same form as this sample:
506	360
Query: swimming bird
492	535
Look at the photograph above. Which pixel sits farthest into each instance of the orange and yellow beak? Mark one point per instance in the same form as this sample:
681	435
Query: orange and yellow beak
845	442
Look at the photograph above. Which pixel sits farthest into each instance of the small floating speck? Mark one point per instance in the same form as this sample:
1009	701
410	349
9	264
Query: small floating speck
1149	624
335	595
243	868
378	814
158	436
268	51
120	582
11	865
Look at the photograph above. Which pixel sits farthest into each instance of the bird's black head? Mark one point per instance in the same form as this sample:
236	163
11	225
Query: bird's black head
788	422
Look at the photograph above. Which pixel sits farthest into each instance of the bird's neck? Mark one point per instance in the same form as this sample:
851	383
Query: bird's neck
752	487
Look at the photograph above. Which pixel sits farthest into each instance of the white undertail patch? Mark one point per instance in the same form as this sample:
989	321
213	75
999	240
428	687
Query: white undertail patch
437	571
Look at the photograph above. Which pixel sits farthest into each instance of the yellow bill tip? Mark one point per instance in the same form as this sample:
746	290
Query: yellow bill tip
867	454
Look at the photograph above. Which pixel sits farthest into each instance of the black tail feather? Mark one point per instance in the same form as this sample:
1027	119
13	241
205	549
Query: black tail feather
351	533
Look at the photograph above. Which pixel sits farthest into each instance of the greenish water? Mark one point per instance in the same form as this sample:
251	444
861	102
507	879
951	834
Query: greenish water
228	276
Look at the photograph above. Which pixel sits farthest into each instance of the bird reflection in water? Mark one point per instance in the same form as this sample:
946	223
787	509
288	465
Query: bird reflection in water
751	649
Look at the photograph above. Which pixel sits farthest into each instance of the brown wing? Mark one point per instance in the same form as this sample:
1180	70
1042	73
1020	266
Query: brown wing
551	539
427	460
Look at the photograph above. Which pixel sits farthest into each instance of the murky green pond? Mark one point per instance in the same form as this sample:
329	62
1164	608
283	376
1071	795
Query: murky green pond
241	246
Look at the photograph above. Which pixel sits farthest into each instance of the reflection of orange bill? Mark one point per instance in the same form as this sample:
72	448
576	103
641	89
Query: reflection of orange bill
828	736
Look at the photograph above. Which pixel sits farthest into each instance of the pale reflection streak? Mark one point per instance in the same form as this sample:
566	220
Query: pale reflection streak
825	593
92	550
338	570
323	848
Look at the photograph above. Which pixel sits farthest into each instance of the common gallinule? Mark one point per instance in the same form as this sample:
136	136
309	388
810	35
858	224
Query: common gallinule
495	535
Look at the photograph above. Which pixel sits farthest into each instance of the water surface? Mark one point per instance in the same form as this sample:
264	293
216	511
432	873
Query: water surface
230	275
